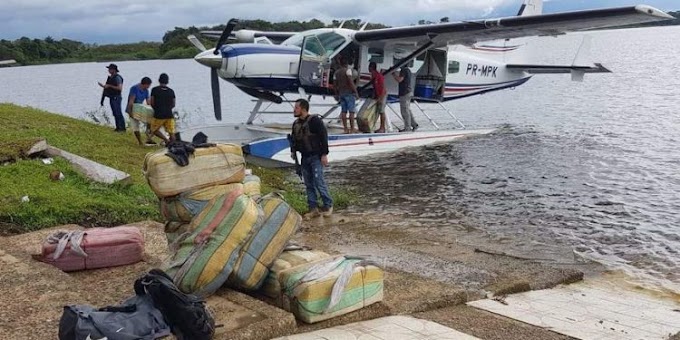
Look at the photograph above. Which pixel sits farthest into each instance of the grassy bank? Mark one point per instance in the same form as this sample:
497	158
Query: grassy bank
76	199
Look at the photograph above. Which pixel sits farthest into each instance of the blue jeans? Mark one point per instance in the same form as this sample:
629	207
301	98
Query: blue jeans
117	112
312	173
348	103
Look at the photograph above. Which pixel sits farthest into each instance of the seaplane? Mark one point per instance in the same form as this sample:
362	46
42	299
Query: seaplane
448	61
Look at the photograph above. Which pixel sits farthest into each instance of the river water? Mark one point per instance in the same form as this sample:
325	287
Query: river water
592	167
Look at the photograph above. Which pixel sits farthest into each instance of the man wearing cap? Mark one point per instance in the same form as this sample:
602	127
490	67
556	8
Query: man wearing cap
113	89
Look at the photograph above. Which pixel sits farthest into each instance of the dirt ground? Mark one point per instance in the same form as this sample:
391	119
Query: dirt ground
426	276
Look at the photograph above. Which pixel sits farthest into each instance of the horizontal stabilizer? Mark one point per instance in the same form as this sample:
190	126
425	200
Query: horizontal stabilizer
249	36
551	69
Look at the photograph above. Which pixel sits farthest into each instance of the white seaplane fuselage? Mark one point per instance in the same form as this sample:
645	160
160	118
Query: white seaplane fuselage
276	68
448	61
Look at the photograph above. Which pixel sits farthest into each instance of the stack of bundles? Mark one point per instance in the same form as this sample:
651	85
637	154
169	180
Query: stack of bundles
251	185
207	254
292	256
281	222
183	207
209	166
325	288
173	230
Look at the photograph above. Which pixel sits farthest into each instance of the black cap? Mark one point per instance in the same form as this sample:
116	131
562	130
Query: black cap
113	66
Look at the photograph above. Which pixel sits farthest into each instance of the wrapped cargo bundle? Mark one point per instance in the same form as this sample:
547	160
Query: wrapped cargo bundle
252	185
209	166
287	260
173	230
330	288
142	113
183	207
368	115
281	222
93	248
206	256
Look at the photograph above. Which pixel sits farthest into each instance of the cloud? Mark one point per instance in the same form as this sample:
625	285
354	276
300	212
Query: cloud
98	21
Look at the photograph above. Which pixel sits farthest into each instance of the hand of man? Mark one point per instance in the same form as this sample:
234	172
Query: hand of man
293	155
324	160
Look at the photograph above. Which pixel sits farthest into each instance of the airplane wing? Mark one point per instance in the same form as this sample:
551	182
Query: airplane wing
248	36
542	69
470	32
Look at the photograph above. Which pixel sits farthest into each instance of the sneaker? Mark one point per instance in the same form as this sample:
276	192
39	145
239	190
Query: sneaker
327	212
150	143
415	127
313	213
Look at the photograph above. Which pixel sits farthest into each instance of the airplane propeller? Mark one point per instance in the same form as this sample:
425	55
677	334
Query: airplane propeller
225	35
215	85
212	59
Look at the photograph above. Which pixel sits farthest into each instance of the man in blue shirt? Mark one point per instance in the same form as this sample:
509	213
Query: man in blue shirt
139	94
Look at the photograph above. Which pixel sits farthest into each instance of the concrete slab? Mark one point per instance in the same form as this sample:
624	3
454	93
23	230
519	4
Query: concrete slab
593	309
38	147
387	328
91	169
488	326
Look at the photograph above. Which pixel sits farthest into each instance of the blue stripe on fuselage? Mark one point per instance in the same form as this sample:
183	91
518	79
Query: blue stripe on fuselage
234	50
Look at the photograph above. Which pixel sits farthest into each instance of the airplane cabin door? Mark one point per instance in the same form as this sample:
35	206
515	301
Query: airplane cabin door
315	66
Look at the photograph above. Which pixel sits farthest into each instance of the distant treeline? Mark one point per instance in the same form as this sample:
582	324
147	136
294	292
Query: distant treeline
175	45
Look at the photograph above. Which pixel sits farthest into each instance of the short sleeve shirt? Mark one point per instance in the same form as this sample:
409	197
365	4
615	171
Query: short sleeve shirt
139	93
405	85
163	98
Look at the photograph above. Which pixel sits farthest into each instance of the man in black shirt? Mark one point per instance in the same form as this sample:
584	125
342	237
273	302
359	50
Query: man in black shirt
310	138
113	89
163	101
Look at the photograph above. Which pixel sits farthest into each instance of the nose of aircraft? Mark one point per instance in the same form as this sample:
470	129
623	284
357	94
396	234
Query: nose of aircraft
209	59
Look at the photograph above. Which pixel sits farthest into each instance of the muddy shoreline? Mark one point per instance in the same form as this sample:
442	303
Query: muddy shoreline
424	274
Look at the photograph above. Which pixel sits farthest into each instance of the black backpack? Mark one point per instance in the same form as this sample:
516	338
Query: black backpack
186	314
135	319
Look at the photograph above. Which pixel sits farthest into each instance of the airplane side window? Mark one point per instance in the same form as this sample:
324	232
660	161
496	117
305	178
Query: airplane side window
314	48
376	55
331	41
454	66
398	60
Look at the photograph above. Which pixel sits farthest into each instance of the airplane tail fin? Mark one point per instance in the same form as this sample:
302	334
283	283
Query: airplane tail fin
531	7
509	50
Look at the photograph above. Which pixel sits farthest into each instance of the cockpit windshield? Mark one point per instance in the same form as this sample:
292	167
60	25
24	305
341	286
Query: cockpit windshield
330	41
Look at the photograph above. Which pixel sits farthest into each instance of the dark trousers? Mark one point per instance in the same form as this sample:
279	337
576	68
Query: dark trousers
116	109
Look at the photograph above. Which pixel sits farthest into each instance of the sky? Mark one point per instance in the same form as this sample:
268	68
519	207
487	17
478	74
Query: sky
104	21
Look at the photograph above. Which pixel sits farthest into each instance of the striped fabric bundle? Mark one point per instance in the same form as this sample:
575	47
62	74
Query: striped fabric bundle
280	223
142	113
252	186
173	230
221	164
206	257
330	288
184	207
287	260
